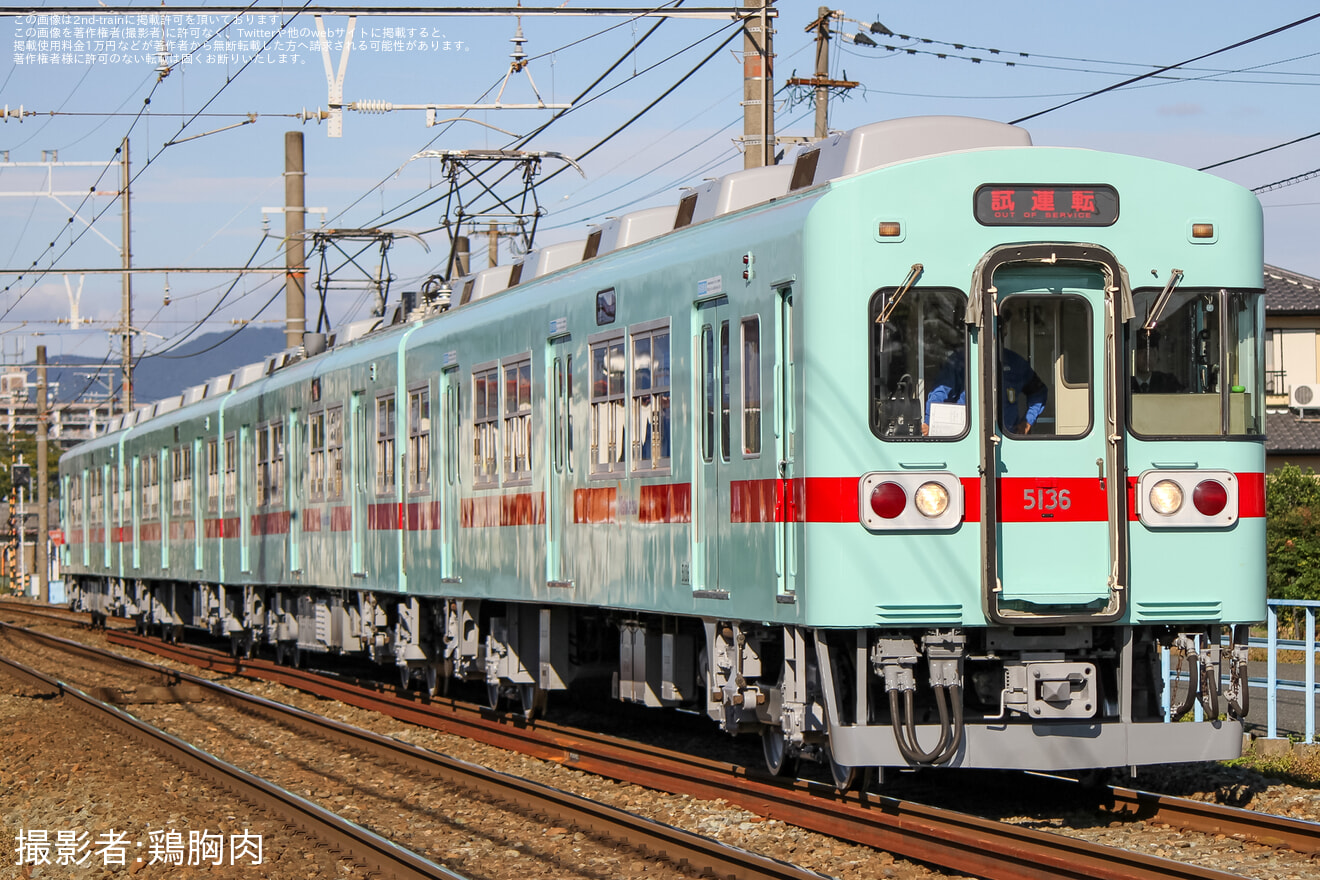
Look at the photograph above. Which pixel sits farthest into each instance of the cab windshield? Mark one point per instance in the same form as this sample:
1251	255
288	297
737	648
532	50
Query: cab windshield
1194	366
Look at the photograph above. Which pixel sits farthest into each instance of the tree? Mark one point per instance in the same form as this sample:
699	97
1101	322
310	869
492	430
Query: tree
1292	533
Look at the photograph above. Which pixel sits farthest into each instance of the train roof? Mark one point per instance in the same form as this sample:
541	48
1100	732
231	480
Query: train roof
841	155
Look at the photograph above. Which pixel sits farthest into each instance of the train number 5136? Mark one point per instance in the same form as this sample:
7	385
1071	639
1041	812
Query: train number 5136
1045	499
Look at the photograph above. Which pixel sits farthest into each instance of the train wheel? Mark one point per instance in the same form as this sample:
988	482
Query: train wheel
844	777
279	653
405	677
235	647
533	700
431	677
494	693
297	660
777	758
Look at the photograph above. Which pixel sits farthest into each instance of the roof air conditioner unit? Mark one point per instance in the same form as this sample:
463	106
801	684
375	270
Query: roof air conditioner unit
1305	397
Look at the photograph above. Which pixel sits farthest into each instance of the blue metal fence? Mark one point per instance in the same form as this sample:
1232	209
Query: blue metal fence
1270	682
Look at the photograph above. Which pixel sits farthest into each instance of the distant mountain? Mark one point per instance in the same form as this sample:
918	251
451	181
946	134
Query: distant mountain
166	375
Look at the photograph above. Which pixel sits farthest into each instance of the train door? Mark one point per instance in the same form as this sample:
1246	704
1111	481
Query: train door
135	508
245	474
714	445
1054	530
787	532
165	502
559	399
293	461
451	424
357	489
197	502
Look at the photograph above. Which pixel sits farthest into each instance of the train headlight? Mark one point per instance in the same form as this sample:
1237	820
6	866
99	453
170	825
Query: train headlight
1210	497
1166	497
931	499
1163	494
902	501
888	500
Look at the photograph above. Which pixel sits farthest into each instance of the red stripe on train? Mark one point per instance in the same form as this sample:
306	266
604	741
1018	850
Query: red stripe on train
595	505
665	503
488	511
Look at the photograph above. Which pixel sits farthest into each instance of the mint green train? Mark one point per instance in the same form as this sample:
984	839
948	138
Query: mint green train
918	451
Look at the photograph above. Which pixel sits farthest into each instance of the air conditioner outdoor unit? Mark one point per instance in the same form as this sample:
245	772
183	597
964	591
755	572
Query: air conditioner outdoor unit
1305	397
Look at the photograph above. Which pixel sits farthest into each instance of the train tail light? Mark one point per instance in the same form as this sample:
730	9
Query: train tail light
1162	497
1210	497
901	501
888	500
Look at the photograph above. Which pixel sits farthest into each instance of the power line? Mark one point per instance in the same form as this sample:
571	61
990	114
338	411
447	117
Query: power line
525	138
137	118
1131	80
1287	181
578	104
1259	152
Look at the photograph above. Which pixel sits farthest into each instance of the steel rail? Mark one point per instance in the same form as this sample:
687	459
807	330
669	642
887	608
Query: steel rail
1298	835
62	615
378	853
678	846
950	840
571	746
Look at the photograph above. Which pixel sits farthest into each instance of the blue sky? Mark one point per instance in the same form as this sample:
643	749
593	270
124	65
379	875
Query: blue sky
199	201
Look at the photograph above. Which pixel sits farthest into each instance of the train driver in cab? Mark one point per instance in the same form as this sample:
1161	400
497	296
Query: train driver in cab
1019	384
1145	377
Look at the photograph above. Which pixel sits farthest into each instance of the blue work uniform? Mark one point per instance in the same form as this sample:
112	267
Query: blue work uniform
1018	378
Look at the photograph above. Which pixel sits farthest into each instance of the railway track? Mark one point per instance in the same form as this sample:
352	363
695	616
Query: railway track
356	842
683	849
62	615
944	838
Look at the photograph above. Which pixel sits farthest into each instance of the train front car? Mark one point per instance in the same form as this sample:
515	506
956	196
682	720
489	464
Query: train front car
1032	452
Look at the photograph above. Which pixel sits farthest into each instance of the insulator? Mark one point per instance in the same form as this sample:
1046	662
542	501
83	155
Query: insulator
372	106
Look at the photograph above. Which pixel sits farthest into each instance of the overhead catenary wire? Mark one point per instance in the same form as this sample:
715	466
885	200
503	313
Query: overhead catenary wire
41	273
1127	82
578	104
633	48
607	138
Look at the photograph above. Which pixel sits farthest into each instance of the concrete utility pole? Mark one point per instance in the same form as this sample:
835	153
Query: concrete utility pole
126	339
295	246
821	82
758	87
492	245
43	494
823	72
462	257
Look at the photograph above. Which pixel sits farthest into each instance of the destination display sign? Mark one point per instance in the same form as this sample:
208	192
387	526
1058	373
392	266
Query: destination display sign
1020	204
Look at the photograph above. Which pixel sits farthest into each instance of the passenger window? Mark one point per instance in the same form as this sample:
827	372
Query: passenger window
609	422
1193	363
751	386
419	440
707	393
918	363
385	453
725	391
650	399
518	421
1045	356
485	427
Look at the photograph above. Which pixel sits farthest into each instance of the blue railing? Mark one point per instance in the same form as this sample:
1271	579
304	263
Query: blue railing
1271	683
